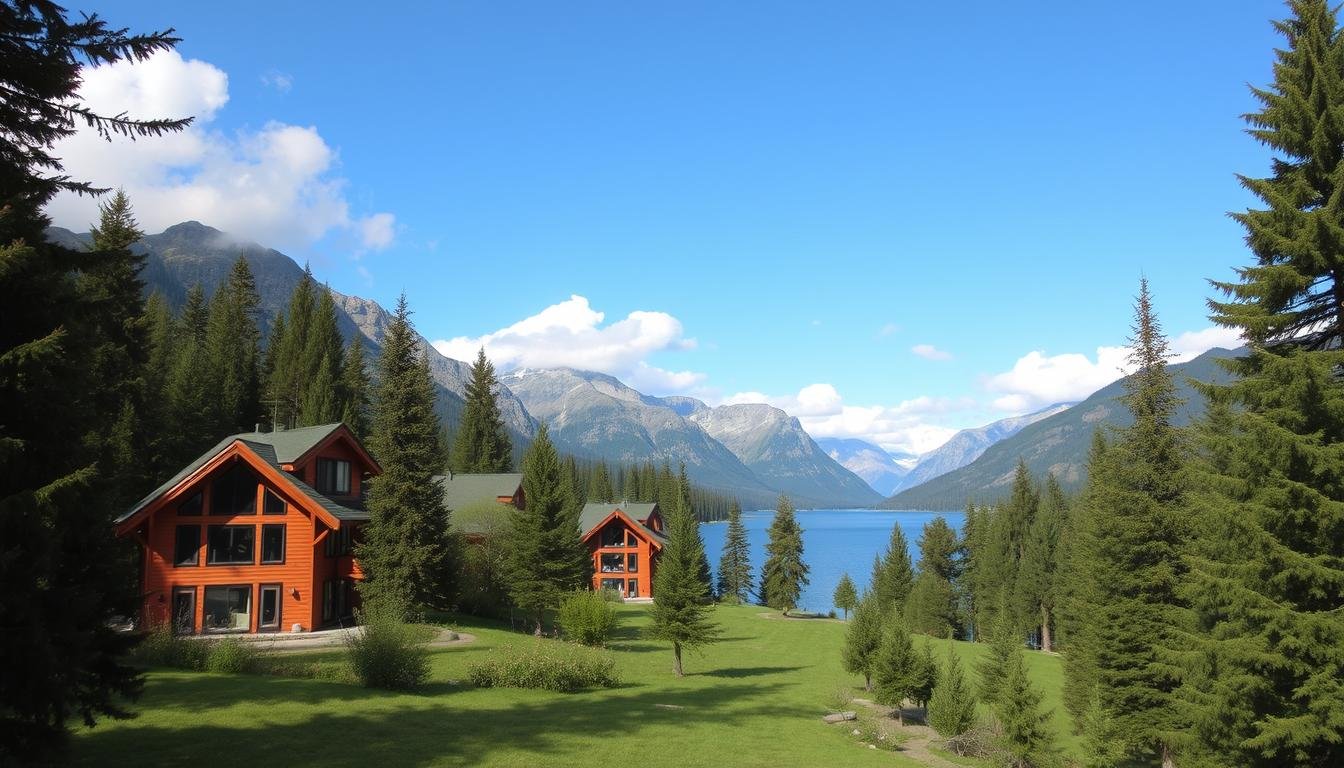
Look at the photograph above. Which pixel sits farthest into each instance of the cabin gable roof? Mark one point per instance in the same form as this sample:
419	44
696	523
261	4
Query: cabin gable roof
461	489
596	514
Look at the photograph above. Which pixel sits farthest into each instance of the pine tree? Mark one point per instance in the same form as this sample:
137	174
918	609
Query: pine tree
1268	582
161	336
1003	643
355	387
547	558
289	377
951	710
1077	594
971	584
925	677
191	403
482	443
893	576
845	597
58	563
784	574
863	635
321	400
931	607
232	354
1012	527
702	570
735	561
599	485
896	668
1036	580
680	612
407	552
1026	738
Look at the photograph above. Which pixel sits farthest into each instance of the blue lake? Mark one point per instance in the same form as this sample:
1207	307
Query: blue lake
835	542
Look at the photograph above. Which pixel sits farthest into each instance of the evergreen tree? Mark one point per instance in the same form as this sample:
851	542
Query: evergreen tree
321	400
1078	594
680	612
407	552
784	574
951	710
1268	582
289	376
735	561
1026	738
161	335
1012	526
547	558
191	402
232	354
972	582
482	443
863	635
59	567
355	388
1003	643
893	576
925	677
896	668
599	485
702	570
931	607
845	597
1136	538
1036	588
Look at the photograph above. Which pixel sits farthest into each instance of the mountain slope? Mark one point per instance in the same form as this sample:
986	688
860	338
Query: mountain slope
595	415
878	468
1057	444
779	451
191	252
969	444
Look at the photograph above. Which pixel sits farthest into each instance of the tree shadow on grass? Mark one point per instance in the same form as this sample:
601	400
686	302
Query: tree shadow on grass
314	723
736	672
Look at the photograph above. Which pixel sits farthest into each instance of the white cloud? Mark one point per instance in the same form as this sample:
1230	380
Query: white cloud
887	330
277	184
1037	380
571	334
278	80
909	426
930	352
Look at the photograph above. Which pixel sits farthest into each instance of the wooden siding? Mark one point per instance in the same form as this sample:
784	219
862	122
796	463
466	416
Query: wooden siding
635	543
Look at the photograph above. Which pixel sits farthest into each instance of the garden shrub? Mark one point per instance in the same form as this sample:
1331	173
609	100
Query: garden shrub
586	617
385	652
547	666
162	648
611	595
230	655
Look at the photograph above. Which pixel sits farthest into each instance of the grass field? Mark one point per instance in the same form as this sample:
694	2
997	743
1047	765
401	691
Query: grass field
754	699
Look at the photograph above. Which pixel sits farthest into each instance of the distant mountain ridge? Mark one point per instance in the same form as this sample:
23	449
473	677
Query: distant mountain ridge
881	469
1057	444
969	444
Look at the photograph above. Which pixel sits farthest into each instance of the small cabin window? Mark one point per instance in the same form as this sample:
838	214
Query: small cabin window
192	506
231	545
234	492
272	544
333	476
274	504
187	547
632	563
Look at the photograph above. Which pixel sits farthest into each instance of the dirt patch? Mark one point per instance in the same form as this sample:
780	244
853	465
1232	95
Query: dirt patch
328	640
917	737
773	615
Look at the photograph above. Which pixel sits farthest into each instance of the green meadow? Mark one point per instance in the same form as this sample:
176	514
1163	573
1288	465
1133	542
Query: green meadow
754	699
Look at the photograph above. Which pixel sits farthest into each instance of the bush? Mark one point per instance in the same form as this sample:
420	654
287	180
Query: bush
545	665
881	732
385	652
162	648
612	595
230	655
586	617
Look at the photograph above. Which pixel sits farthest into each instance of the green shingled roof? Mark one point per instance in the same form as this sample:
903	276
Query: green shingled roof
275	448
595	512
459	490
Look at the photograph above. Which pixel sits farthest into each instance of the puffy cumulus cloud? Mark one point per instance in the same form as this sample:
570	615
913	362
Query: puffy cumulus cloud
930	352
276	184
910	426
1037	380
571	334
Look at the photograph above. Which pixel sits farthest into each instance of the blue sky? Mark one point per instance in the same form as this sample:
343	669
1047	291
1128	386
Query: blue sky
893	221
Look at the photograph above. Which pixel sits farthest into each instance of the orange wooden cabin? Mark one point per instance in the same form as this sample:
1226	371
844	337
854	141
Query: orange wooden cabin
625	541
255	535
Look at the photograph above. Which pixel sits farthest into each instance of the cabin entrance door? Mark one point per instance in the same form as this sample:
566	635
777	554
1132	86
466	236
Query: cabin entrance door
184	610
270	608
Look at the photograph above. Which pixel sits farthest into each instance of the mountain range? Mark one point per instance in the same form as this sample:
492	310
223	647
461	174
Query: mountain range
882	470
753	452
1057	444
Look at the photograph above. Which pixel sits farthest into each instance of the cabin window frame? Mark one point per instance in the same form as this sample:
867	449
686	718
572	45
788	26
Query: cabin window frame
205	600
611	562
284	536
267	508
195	560
632	562
227	484
178	627
262	589
186	507
329	476
209	549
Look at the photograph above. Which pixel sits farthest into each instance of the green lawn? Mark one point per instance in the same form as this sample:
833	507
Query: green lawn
754	699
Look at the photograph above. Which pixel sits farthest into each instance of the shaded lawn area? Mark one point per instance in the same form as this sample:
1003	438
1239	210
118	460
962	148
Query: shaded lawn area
754	699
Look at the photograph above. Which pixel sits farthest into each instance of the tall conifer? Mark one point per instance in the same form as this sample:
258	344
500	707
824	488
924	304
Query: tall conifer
482	443
863	636
735	561
893	576
232	353
785	573
680	612
355	387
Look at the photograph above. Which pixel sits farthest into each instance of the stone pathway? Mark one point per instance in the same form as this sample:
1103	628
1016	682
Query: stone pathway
918	737
301	642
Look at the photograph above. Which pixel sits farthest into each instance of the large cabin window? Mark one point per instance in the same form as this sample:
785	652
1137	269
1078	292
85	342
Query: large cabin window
274	504
192	506
187	546
613	536
228	609
613	562
231	545
333	476
234	492
272	544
